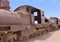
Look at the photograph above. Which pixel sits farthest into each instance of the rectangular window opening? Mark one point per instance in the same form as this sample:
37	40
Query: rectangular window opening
35	14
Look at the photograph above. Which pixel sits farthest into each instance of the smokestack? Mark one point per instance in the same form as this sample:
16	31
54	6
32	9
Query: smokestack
4	4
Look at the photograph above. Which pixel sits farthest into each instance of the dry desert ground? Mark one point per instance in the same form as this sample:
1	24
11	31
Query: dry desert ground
50	37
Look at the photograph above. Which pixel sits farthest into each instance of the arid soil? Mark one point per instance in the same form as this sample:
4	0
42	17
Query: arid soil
50	37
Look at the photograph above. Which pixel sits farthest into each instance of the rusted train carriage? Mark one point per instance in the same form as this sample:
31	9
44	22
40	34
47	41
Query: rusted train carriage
25	22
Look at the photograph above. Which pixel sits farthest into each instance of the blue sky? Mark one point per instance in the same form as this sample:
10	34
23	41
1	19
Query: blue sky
50	7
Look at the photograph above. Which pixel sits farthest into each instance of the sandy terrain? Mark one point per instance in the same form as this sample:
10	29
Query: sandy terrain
50	37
